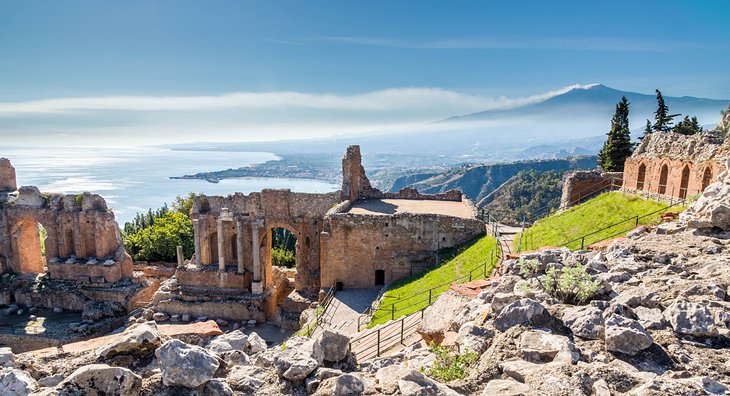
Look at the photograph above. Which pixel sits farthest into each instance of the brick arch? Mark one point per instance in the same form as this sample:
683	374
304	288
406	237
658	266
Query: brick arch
26	247
684	180
300	251
707	176
641	175
663	177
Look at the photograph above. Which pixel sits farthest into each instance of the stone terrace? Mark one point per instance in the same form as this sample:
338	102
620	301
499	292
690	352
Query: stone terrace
397	206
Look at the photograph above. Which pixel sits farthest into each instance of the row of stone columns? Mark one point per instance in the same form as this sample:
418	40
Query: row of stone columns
198	231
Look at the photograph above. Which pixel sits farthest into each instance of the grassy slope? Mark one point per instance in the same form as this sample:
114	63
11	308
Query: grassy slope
599	212
457	263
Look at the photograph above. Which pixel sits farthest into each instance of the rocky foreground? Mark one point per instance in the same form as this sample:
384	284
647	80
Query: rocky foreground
649	316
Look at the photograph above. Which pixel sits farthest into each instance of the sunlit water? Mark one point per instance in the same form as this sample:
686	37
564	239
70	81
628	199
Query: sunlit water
133	179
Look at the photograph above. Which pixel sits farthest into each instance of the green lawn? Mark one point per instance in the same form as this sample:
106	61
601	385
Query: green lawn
411	294
602	211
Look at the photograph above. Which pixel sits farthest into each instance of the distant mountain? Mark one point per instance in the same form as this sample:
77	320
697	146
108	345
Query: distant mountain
572	123
600	101
478	181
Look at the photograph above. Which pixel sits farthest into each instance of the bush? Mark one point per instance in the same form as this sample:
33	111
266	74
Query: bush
283	258
159	241
571	285
449	366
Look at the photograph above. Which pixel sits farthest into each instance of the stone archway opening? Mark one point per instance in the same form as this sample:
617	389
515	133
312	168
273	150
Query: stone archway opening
684	183
29	246
641	177
663	177
283	248
706	178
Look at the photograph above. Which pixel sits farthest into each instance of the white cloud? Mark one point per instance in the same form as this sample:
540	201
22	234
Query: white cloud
390	100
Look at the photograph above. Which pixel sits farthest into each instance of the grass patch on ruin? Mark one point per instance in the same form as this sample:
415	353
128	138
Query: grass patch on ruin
411	294
600	212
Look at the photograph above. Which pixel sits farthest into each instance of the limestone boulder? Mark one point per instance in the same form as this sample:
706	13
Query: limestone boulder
305	346
236	358
335	345
691	319
348	385
232	341
103	380
185	365
542	347
625	335
255	344
518	312
518	369
650	318
7	358
295	366
506	388
585	322
409	381
216	387
438	319
472	338
16	382
712	209
246	379
139	339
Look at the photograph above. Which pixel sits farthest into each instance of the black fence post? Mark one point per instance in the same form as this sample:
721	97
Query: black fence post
637	221
429	296
378	348
402	325
358	324
582	242
392	311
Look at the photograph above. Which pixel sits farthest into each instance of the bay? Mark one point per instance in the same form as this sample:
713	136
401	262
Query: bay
135	179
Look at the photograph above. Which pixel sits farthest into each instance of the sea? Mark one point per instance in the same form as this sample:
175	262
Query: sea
135	179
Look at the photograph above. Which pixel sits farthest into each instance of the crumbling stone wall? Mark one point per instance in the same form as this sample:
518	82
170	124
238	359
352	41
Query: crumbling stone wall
582	185
7	176
675	165
83	241
356	246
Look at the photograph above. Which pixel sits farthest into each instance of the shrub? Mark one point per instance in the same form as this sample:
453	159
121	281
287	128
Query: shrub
571	285
283	258
159	241
449	366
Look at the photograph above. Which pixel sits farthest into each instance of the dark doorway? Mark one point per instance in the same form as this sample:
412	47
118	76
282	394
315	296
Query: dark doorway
663	176
684	183
379	277
641	178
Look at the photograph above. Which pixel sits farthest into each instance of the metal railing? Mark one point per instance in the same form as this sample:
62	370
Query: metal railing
373	343
325	315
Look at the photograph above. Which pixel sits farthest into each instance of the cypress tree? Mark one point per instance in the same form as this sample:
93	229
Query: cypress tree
647	131
663	120
618	145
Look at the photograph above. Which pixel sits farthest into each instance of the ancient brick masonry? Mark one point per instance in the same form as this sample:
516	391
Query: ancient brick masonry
83	242
674	165
582	185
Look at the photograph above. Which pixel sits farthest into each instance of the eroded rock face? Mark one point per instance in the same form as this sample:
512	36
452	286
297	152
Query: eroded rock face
103	380
542	347
438	319
712	209
625	335
139	339
691	318
7	358
185	365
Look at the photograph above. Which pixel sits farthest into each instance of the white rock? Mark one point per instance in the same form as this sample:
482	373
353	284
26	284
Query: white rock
16	382
185	365
103	380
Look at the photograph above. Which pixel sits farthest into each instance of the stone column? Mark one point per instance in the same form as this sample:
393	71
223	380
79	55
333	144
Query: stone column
180	257
221	245
196	240
257	286
239	245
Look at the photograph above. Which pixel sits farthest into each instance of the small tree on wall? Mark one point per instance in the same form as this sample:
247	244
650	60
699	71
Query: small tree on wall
618	145
688	126
663	120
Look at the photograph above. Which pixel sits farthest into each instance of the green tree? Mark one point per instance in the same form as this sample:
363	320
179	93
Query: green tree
663	120
618	145
647	130
688	126
155	235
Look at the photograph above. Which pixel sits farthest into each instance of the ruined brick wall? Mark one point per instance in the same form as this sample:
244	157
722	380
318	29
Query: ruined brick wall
581	185
83	239
674	165
356	246
300	213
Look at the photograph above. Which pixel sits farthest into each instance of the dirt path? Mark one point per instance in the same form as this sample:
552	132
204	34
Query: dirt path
348	305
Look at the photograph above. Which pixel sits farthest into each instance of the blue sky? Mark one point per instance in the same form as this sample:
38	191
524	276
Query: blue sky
277	69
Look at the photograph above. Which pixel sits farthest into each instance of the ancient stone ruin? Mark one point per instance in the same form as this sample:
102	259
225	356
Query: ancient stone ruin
675	165
358	237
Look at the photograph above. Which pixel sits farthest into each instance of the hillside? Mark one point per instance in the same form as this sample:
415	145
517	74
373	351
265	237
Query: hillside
603	211
478	181
524	196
